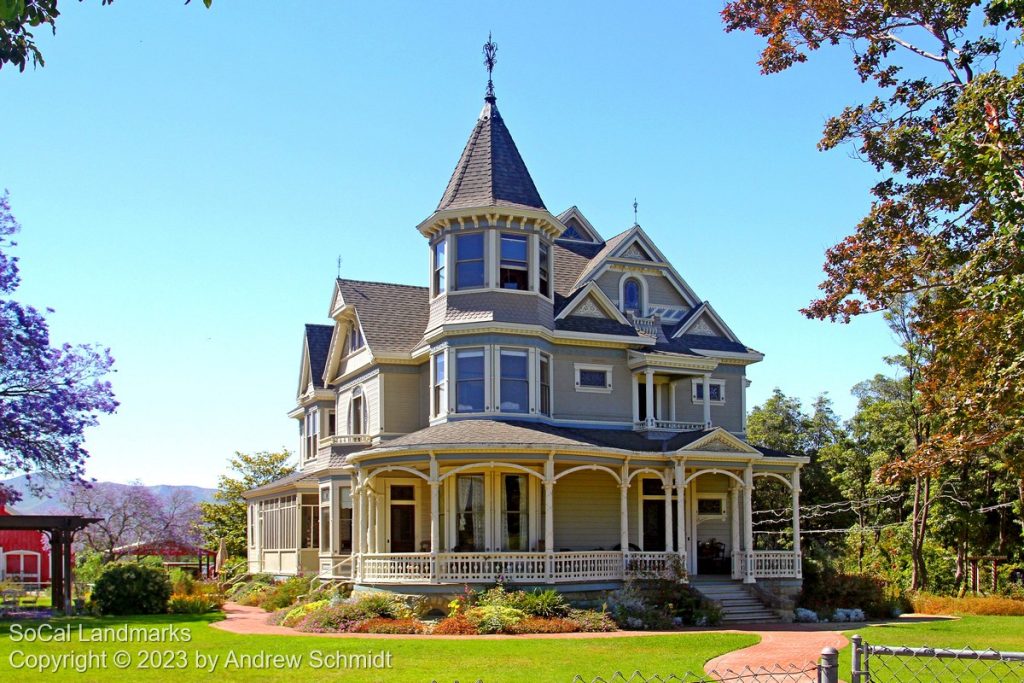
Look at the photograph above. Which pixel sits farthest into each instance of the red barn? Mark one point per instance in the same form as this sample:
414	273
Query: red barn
24	555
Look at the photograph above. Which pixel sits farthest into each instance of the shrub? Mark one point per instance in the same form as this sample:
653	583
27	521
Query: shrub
381	604
494	618
328	619
549	603
544	625
192	604
131	589
805	616
825	591
631	610
499	597
848	615
294	615
379	625
277	617
591	621
182	582
991	605
283	594
457	625
254	596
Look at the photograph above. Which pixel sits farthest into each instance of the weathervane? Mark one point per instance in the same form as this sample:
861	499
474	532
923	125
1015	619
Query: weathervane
490	57
339	266
635	207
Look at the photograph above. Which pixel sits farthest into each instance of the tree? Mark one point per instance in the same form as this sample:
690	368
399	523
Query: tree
17	17
128	514
49	395
226	517
945	130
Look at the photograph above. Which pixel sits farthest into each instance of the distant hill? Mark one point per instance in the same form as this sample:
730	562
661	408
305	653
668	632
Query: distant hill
50	503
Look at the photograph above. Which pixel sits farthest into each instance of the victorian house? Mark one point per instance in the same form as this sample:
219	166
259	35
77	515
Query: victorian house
554	407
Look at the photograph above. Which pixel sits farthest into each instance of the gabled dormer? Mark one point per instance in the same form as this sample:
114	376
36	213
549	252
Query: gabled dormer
577	228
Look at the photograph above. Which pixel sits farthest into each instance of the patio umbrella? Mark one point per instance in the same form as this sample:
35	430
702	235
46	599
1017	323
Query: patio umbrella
222	556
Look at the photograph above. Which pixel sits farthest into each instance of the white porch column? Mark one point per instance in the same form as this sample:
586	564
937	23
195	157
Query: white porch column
669	541
734	512
357	525
635	381
624	512
707	400
672	401
795	484
372	521
681	508
549	516
649	395
748	520
435	517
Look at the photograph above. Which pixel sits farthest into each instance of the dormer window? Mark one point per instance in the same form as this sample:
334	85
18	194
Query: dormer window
357	413
632	297
355	338
440	262
515	263
469	261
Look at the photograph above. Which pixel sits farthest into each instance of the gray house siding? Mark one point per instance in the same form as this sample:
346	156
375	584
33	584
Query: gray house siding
586	511
728	415
570	404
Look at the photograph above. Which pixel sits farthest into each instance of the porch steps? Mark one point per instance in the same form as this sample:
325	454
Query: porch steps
739	604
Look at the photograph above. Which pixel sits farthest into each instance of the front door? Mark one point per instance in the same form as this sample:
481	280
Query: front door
403	528
402	519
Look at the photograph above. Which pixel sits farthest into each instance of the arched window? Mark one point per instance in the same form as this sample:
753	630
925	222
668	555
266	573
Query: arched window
632	300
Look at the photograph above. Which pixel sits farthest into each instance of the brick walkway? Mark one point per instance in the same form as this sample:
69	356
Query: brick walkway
782	647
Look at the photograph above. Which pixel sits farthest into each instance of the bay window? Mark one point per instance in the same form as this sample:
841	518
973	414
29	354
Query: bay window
544	380
440	263
515	380
514	272
469	380
469	261
543	269
312	425
439	386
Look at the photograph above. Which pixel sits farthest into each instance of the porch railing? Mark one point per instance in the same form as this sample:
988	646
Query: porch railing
769	564
667	426
519	567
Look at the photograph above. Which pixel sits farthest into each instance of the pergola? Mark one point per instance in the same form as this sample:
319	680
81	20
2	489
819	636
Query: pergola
61	529
173	549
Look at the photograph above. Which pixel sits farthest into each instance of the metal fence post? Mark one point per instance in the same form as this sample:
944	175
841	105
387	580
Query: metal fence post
828	668
856	653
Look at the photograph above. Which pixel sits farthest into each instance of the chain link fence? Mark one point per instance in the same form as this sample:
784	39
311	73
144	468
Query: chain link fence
747	675
887	663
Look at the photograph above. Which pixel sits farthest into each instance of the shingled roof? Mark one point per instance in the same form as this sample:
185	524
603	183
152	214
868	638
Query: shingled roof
490	172
318	341
393	317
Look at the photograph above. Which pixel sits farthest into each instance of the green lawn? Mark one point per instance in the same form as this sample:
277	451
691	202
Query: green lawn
979	633
423	660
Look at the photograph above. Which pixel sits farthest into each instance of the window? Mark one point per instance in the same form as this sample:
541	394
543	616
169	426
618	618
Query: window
515	508
469	261
355	338
515	264
543	268
440	387
345	520
631	299
325	520
312	424
332	423
711	507
357	412
515	381
469	513
716	388
544	379
469	380
310	521
440	261
403	492
595	378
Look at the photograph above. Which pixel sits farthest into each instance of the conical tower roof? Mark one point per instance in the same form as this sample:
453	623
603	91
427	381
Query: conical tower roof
490	171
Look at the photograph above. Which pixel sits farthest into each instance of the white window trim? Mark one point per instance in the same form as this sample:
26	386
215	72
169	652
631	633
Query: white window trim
723	497
607	369
386	502
538	389
531	408
452	282
359	392
439	411
644	299
447	267
453	374
693	391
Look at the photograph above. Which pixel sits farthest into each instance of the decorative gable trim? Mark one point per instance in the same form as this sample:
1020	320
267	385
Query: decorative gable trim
589	234
338	350
305	373
588	300
721	441
699	326
636	237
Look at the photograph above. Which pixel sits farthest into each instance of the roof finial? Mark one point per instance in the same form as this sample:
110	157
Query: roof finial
339	266
635	207
490	57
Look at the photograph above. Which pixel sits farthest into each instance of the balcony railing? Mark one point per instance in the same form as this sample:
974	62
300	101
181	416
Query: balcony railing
667	426
343	440
529	567
646	326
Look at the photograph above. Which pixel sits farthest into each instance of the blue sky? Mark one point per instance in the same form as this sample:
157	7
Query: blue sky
186	179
